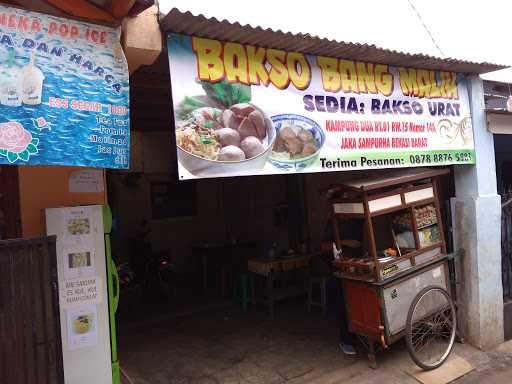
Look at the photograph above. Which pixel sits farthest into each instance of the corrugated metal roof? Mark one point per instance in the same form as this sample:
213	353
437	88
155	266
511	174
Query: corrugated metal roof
187	23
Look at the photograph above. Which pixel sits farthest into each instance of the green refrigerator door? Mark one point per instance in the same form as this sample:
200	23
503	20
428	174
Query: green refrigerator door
113	293
107	219
113	300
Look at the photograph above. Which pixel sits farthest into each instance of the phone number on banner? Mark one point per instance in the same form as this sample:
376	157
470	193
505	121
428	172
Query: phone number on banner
393	159
450	158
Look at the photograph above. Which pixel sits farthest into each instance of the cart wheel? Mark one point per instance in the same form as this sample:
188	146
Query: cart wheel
430	328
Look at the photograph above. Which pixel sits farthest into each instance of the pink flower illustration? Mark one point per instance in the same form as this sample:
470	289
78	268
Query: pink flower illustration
13	137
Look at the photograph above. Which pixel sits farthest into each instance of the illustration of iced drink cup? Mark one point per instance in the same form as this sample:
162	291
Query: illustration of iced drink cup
32	88
10	83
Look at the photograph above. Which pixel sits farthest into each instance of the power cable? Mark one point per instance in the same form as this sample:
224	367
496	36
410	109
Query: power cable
425	26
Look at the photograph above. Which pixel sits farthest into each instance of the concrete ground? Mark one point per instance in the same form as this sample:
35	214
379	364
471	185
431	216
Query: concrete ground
496	369
230	346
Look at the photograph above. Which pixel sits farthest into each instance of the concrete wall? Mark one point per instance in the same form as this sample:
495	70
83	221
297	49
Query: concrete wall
47	187
477	230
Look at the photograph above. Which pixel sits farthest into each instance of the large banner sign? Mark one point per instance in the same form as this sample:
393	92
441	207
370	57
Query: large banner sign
246	110
63	92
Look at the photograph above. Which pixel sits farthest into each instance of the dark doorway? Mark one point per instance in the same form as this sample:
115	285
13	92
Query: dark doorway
502	147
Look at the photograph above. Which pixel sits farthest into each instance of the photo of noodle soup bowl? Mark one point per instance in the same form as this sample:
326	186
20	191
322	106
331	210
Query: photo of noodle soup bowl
82	324
232	141
298	142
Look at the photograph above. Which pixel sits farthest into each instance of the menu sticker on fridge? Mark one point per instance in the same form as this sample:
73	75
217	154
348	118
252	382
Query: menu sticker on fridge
78	263
77	227
82	325
79	292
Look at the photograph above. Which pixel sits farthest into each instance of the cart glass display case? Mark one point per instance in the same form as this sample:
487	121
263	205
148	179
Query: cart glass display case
402	223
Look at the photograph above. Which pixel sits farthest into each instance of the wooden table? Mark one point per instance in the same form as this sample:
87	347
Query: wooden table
270	270
223	250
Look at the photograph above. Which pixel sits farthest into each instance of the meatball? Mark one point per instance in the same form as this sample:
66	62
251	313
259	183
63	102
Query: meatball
247	128
228	136
251	146
279	144
309	149
258	120
228	119
305	135
293	145
231	153
287	133
242	109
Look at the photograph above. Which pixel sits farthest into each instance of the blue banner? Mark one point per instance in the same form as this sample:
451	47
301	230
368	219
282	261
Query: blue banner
64	92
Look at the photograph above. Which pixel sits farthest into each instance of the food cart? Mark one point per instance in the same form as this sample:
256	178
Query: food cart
400	251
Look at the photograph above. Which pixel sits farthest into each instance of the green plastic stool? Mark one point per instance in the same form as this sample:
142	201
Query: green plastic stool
242	290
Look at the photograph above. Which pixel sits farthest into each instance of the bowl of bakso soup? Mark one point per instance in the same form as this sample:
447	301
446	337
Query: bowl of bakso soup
298	142
217	140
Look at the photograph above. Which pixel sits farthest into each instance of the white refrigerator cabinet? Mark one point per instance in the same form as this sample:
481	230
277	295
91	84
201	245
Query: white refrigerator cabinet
83	293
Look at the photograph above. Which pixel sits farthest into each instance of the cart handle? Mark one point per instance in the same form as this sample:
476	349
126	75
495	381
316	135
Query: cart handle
382	338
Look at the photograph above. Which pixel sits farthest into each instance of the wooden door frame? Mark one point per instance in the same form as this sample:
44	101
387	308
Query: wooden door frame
10	200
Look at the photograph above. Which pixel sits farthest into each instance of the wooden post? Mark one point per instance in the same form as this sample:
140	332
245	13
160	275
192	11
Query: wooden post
335	227
438	213
414	228
142	39
371	236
